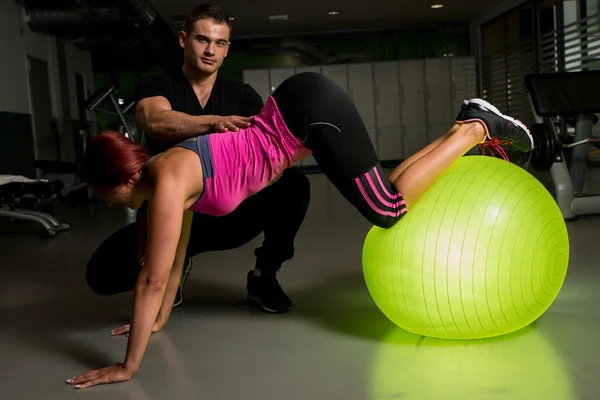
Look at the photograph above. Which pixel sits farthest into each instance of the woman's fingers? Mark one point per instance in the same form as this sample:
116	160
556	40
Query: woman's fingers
126	328
80	379
101	379
112	374
120	331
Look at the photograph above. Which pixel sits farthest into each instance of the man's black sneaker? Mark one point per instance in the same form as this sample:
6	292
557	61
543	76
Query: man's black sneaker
266	292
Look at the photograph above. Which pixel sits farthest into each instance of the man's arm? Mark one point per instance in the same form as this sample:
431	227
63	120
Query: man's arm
163	124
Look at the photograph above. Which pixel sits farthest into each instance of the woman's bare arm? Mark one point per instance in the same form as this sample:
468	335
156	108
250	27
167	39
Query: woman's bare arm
164	221
175	276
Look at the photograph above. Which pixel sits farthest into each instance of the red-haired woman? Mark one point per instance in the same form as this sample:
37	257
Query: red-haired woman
214	173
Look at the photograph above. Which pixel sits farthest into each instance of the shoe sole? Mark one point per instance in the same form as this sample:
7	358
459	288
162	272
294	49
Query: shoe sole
180	302
186	274
491	108
258	302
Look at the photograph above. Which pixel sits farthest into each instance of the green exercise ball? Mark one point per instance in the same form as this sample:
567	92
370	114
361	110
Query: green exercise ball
483	253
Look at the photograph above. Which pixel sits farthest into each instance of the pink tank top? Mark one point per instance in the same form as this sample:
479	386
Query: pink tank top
245	162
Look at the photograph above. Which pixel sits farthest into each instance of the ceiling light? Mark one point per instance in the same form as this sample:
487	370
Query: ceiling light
231	18
334	12
282	17
437	6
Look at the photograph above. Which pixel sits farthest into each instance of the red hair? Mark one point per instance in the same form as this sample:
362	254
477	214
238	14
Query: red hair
110	160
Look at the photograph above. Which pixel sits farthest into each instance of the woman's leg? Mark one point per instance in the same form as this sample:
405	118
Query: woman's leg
415	179
320	114
406	163
481	124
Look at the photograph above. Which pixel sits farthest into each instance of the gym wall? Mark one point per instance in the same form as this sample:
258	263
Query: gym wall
593	6
348	47
363	46
80	77
519	38
38	104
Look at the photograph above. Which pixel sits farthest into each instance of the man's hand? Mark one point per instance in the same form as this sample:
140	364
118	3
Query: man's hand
231	123
113	374
156	117
125	329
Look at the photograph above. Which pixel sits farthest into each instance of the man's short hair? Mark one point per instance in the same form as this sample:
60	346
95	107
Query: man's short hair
206	11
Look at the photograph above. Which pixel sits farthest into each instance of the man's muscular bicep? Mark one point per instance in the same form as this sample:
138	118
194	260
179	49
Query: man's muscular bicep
147	111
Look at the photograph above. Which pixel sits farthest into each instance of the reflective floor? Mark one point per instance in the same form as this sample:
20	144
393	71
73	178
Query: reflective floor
335	344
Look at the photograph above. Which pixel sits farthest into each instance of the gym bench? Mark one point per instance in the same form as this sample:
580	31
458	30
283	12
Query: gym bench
14	189
574	98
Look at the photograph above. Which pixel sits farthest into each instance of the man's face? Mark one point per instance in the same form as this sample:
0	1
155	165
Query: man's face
206	46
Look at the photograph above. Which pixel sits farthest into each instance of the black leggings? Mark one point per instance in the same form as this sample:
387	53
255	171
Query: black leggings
323	117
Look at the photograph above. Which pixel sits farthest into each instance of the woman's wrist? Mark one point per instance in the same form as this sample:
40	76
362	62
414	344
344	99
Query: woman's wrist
130	366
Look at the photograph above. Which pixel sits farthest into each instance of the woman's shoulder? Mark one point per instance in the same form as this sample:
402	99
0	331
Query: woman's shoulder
175	162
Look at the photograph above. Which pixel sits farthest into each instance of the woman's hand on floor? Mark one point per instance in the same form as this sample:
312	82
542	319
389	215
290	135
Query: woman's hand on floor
125	329
113	374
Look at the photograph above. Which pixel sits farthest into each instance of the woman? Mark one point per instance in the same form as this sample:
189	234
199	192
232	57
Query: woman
214	173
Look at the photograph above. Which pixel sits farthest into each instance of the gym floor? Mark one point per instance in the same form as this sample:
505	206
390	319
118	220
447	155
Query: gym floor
334	344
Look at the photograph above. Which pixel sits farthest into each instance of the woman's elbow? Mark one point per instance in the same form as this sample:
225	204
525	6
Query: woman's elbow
154	286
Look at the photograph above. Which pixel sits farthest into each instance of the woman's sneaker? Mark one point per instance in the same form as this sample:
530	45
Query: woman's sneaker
501	130
187	268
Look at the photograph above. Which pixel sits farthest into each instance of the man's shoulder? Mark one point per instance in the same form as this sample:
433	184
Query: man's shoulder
168	85
242	96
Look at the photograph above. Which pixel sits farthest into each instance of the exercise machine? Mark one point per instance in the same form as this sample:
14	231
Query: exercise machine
75	189
98	103
562	102
16	190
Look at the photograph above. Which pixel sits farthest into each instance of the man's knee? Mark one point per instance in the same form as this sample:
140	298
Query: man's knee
295	186
94	281
107	281
114	261
295	176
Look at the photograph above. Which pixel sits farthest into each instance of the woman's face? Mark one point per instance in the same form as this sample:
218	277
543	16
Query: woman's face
125	194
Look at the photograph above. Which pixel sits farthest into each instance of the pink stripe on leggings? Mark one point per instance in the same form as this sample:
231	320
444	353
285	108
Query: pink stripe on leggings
380	198
391	196
373	206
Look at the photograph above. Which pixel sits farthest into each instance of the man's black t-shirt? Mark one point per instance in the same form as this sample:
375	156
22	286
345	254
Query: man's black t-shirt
227	98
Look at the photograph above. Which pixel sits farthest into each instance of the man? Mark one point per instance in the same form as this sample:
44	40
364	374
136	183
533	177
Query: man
191	102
